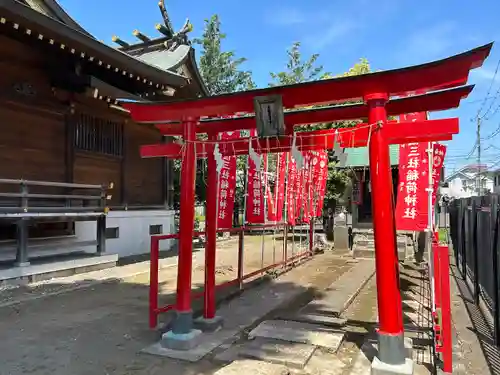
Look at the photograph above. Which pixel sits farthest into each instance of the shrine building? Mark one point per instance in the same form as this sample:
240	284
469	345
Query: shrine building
63	135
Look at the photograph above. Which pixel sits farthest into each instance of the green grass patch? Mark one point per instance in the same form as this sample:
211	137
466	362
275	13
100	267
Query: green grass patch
443	234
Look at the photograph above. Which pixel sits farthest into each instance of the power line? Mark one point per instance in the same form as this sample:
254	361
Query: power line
488	92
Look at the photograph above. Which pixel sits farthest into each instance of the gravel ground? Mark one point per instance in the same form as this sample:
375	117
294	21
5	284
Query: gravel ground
100	328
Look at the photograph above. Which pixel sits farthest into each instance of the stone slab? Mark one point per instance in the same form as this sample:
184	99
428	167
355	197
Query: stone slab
322	319
363	361
58	266
299	332
290	354
339	295
208	325
252	367
206	344
380	368
324	363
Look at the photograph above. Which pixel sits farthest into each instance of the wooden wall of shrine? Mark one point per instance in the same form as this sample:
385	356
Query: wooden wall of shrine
55	135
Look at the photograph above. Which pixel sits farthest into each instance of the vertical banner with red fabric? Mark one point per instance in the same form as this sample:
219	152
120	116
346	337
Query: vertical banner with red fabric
412	201
291	186
299	192
321	179
279	187
271	208
255	198
227	187
306	216
438	152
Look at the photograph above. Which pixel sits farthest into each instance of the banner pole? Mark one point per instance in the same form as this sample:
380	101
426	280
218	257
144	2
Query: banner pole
430	226
262	244
241	255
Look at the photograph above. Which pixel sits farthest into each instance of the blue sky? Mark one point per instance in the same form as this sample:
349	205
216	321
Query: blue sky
389	33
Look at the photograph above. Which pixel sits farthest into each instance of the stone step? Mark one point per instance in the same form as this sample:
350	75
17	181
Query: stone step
329	320
370	253
290	354
304	333
371	243
252	367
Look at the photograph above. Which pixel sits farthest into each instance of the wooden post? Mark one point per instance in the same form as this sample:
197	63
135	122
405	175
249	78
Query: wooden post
22	231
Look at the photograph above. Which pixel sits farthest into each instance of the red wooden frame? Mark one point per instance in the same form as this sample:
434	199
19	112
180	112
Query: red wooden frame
446	73
375	90
396	133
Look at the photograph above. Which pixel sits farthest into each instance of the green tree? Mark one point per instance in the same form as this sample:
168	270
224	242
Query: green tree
220	70
300	69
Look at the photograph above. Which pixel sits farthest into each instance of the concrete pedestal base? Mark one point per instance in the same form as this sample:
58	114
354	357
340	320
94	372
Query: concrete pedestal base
209	325
381	368
21	264
408	347
183	341
341	236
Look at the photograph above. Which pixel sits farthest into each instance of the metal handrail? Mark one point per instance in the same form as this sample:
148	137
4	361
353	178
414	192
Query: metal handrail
51	184
20	202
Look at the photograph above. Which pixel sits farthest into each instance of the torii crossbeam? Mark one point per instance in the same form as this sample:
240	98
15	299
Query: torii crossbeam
376	91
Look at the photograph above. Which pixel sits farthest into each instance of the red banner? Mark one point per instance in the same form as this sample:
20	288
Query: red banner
299	192
291	185
306	217
320	178
280	187
438	152
412	207
271	214
227	187
255	202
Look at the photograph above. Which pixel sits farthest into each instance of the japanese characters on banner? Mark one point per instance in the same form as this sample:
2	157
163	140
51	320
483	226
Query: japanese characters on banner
255	198
279	189
227	187
321	176
271	212
412	198
299	192
291	190
439	152
307	186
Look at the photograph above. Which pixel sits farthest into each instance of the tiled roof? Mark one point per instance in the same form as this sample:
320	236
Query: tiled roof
165	59
358	157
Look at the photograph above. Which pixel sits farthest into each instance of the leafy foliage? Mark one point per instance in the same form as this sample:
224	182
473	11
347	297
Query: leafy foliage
298	70
220	70
304	70
221	73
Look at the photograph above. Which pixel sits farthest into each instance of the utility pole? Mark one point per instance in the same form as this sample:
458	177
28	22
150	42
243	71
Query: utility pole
478	143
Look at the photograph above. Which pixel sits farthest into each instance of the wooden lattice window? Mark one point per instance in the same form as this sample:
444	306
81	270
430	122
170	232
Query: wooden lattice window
98	135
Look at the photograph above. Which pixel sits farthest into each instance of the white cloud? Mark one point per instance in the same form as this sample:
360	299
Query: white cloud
285	16
330	34
429	42
486	74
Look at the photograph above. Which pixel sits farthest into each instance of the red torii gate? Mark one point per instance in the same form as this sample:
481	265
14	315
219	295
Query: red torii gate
376	91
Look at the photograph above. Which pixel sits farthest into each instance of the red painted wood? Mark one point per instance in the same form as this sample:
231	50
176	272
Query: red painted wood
396	133
437	101
446	73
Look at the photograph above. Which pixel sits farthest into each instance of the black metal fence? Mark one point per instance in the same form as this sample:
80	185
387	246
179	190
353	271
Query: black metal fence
474	232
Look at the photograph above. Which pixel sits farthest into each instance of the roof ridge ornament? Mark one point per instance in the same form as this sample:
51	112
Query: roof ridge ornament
175	38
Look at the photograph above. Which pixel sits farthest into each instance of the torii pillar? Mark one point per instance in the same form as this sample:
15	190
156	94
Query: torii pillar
183	336
391	349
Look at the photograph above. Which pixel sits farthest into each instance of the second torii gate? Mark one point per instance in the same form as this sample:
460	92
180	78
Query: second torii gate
376	90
